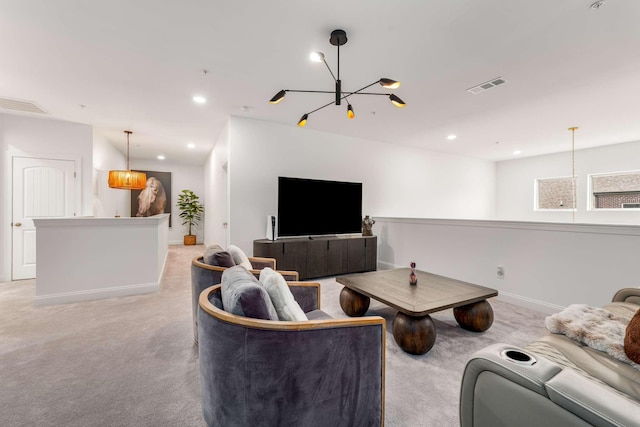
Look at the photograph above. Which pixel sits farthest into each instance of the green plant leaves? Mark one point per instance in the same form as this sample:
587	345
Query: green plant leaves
190	208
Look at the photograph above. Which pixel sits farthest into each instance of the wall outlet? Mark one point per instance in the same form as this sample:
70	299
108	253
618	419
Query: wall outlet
500	272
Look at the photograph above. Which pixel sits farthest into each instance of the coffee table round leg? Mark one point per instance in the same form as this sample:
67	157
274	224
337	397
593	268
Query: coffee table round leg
353	303
476	317
415	335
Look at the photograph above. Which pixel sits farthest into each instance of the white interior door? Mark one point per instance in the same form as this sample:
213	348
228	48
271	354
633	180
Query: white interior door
42	188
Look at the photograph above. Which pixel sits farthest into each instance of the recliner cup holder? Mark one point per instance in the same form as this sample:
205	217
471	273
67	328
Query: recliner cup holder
518	357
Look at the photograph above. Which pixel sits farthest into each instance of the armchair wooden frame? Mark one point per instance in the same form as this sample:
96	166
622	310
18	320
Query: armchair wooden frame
279	325
204	275
255	262
220	328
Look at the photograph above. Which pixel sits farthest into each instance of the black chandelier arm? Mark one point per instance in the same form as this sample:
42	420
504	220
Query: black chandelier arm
309	91
329	68
346	94
331	92
320	108
349	94
361	89
344	97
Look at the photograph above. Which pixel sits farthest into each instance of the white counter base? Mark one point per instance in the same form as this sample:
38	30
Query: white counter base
80	259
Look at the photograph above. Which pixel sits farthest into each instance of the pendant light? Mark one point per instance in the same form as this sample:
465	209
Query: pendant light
127	179
339	38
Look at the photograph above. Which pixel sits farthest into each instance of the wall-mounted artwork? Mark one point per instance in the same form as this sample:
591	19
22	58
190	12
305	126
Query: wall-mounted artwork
155	198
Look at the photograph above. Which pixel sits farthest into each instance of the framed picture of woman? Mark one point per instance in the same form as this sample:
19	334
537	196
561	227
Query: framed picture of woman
155	198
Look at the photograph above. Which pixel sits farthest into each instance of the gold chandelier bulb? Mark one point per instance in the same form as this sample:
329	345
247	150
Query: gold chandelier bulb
350	112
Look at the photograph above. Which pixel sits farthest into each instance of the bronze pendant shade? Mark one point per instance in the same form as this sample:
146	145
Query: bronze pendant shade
339	38
127	179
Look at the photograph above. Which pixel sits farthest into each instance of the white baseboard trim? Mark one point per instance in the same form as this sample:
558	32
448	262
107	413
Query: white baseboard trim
92	294
164	264
181	242
533	304
387	265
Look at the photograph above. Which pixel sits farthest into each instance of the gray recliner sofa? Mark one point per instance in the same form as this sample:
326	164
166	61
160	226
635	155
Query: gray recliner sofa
553	381
319	372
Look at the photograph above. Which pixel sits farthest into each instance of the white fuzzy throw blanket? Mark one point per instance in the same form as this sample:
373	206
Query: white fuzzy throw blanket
595	327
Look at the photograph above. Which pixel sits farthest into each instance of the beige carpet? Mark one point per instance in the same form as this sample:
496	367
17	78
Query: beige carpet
130	361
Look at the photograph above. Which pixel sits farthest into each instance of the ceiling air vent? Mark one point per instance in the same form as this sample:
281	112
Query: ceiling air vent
486	85
17	105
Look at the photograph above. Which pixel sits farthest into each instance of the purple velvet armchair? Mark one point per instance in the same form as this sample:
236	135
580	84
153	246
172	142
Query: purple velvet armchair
319	372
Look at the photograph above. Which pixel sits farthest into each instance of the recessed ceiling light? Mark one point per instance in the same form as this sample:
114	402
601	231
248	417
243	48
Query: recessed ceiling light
160	157
199	99
517	152
451	137
191	145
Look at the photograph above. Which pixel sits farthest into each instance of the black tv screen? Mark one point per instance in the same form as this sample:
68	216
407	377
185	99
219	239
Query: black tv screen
311	207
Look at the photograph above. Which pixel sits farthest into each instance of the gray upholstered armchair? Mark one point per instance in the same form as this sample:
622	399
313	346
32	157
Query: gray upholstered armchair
320	372
204	275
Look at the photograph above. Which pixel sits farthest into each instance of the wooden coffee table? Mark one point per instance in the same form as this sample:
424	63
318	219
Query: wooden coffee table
413	328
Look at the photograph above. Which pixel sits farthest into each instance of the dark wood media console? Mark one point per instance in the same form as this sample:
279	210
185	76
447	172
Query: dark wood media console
321	256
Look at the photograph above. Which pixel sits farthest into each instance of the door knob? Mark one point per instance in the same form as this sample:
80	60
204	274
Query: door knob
18	224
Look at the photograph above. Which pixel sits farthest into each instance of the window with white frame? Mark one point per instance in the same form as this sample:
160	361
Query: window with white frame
555	193
617	190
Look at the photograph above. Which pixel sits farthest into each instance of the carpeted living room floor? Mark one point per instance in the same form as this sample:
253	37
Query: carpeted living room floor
131	361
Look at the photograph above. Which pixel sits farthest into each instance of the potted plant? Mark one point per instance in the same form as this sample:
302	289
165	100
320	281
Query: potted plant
190	212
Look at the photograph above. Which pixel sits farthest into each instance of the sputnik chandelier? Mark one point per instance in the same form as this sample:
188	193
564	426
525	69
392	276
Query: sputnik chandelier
339	38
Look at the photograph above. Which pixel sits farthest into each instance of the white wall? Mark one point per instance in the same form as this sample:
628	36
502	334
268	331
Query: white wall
515	183
107	201
183	177
547	266
216	188
397	181
30	135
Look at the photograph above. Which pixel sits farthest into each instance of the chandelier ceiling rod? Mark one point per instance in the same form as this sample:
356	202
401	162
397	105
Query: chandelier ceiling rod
339	38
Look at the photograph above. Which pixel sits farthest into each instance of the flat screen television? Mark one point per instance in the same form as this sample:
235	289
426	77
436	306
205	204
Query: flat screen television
312	207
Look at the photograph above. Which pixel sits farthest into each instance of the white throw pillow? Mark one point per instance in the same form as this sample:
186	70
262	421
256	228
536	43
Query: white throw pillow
239	257
281	297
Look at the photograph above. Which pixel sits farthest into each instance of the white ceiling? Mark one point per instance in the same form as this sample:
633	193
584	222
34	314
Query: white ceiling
136	65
